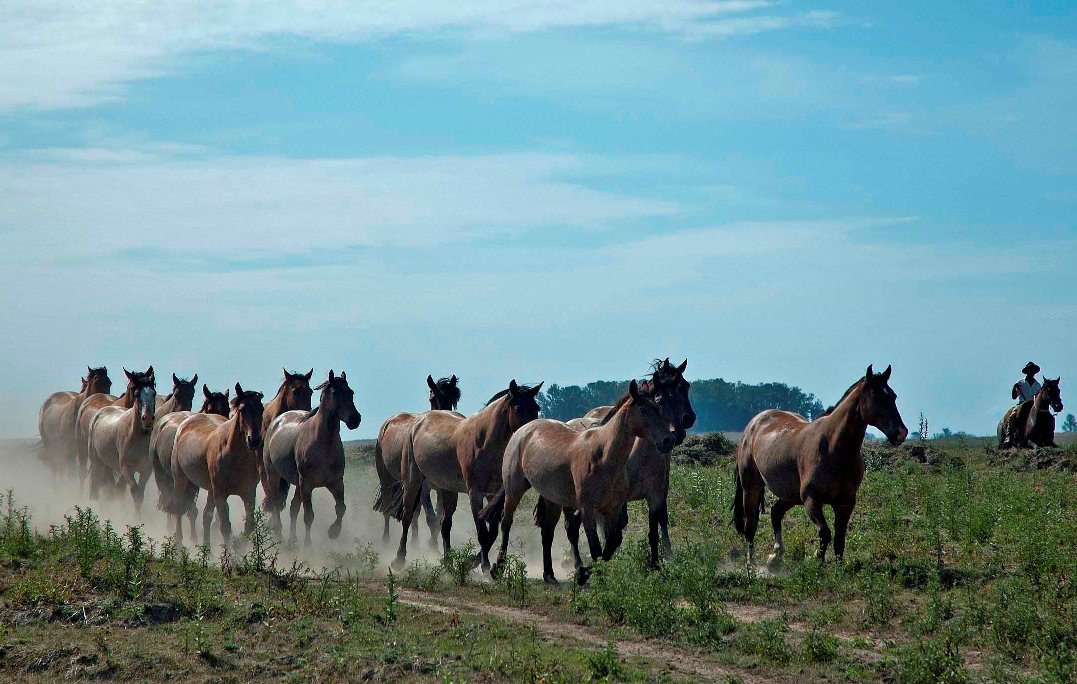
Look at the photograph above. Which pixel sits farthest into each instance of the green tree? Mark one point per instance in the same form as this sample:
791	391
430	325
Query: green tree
1070	424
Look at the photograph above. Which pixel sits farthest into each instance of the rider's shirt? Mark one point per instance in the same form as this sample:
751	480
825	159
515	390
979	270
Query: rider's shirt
1026	391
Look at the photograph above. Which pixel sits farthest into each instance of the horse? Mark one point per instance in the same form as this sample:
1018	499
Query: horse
181	398
56	420
89	408
294	394
582	470
813	463
163	440
444	396
119	442
1031	421
648	468
219	455
303	448
460	455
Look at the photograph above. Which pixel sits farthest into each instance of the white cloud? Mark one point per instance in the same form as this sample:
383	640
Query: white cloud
56	54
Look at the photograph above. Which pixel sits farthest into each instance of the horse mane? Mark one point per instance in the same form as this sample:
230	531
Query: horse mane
613	409
847	392
446	387
247	394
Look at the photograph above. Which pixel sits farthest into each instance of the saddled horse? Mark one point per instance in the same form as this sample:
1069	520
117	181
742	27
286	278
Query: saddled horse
581	470
163	440
814	463
648	468
1031	422
460	455
389	448
89	408
303	448
181	398
219	455
119	443
56	420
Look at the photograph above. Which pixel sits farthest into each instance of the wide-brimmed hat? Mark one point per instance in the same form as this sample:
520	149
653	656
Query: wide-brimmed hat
1030	369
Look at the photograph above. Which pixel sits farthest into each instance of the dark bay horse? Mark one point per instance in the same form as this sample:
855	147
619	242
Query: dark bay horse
181	398
56	420
119	443
1031	422
812	463
163	440
89	408
219	455
461	455
582	470
294	394
303	448
647	467
389	448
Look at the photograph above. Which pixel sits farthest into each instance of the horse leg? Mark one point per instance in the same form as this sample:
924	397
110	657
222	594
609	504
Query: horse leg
207	520
590	528
842	512
814	507
487	536
431	515
446	508
549	527
297	501
511	502
220	502
777	513
654	521
337	490
615	527
308	508
752	490
385	530
413	485
572	531
181	498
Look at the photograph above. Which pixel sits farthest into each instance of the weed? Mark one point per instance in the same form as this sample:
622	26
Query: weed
392	602
605	663
460	562
820	647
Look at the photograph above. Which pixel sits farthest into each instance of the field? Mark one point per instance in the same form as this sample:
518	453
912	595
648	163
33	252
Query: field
960	567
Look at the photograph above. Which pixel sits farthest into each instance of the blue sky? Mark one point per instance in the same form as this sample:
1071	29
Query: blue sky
551	191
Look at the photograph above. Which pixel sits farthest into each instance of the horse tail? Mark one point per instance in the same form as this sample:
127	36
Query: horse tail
539	514
494	509
738	506
389	488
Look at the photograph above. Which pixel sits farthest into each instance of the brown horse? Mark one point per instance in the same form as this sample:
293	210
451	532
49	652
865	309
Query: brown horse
119	442
1031	422
218	455
163	440
89	408
303	448
580	470
647	467
461	455
294	394
56	421
389	447
181	398
812	463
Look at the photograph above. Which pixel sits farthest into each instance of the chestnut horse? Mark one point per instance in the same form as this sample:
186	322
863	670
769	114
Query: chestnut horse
814	463
219	455
181	398
582	470
56	420
303	448
294	394
119	443
163	440
444	396
1032	422
89	408
647	467
460	455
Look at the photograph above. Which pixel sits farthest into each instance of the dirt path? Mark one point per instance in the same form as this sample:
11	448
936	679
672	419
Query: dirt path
678	661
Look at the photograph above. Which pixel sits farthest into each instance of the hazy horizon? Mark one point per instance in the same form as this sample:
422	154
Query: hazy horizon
558	192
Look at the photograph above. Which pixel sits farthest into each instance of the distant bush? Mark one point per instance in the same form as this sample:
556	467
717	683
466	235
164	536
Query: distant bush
704	449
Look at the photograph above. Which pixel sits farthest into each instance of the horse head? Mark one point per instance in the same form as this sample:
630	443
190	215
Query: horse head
878	406
338	400
247	410
444	394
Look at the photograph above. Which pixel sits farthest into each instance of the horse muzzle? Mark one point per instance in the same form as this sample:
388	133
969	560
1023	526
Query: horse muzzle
898	437
666	443
253	442
353	422
1058	407
678	436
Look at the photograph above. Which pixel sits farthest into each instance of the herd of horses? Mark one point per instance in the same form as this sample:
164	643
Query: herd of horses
585	470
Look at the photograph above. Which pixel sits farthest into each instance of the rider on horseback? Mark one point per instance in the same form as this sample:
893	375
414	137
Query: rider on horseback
1023	391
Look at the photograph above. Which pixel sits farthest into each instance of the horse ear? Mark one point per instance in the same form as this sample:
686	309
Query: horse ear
128	374
537	388
886	373
226	391
453	379
343	375
633	389
194	380
309	374
869	373
149	371
239	390
513	387
681	368
666	365
89	370
430	382
331	376
175	380
205	392
285	372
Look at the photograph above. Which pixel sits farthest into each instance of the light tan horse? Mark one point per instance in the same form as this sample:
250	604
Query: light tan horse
303	448
647	468
579	470
119	443
56	421
814	463
461	455
389	449
218	455
89	408
163	440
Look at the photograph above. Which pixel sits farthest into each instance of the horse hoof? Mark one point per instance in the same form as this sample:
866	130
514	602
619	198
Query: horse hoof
774	562
476	561
495	570
334	530
550	580
398	563
583	575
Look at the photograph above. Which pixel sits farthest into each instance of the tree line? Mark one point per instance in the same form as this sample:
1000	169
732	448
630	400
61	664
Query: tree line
719	404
